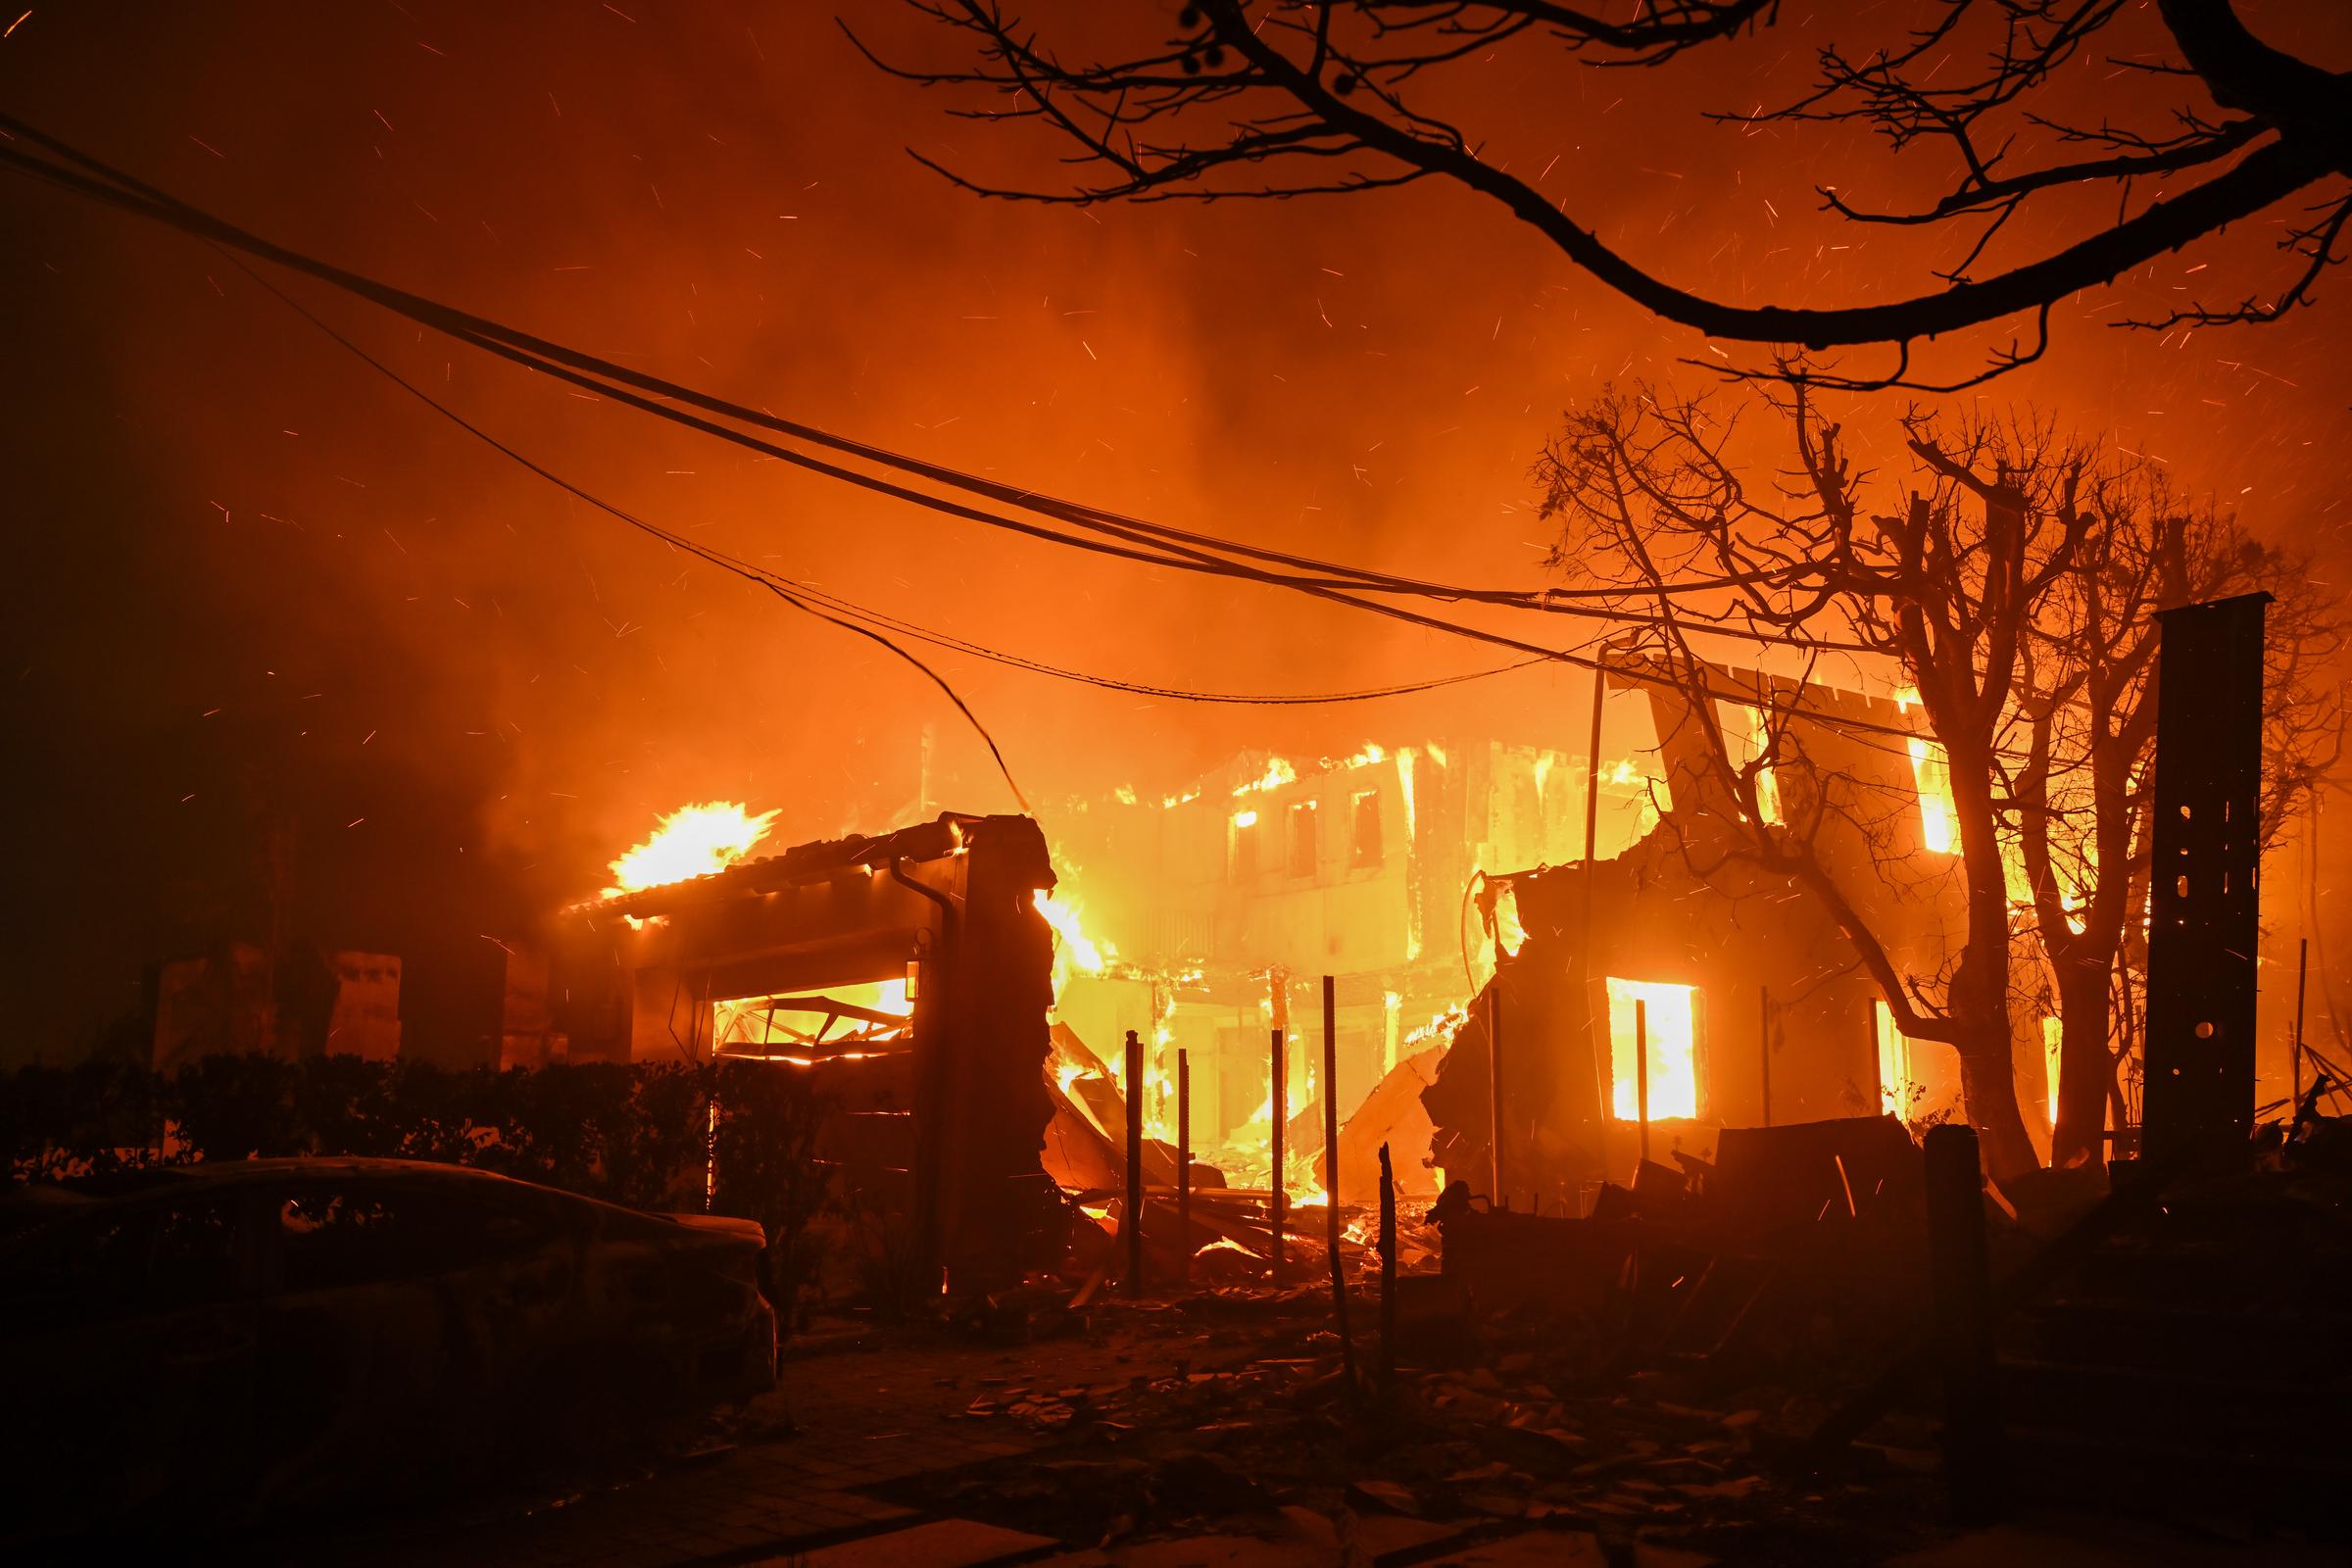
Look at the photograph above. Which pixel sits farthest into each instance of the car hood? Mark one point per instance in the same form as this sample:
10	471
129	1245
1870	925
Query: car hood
746	1230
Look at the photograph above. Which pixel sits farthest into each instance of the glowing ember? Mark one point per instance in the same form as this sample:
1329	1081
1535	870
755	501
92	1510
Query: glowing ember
692	841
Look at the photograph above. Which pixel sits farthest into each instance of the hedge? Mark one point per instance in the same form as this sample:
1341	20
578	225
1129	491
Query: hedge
641	1134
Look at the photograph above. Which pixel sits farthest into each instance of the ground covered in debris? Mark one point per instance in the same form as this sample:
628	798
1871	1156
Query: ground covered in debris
1212	1428
1233	1417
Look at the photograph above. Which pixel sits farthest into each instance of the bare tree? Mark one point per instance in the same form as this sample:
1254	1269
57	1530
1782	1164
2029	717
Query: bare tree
1942	585
2015	586
2082	789
1277	98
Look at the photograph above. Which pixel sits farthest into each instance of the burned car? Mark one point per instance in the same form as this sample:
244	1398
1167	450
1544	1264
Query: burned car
267	1331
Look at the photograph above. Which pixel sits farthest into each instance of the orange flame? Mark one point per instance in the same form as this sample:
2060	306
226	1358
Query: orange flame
692	841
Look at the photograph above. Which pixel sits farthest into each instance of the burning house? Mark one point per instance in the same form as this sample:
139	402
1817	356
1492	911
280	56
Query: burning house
909	972
1216	908
966	1023
1646	999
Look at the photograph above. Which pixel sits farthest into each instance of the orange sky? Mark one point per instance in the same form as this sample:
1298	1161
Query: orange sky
266	592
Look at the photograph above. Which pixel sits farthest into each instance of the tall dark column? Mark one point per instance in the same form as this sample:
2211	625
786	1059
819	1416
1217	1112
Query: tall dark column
2205	880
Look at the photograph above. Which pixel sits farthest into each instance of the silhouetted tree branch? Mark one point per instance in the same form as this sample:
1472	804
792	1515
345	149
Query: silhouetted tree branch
1280	98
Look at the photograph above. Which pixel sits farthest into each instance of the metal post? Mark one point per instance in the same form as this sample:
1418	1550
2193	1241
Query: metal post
1877	1070
1330	1180
1388	1272
1331	1107
1277	1103
2205	857
1764	1044
1184	1167
1135	1164
2302	975
1599	1048
1641	1070
1958	1269
1494	1084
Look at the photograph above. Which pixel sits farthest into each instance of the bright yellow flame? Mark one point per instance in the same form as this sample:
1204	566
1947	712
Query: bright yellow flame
1507	929
1245	819
1278	774
1063	918
2054	1035
1671	1014
752	1021
1898	1081
1747	737
1939	818
1371	754
692	841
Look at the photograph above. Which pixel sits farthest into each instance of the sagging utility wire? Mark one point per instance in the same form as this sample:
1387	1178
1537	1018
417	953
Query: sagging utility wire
129	194
1183	549
800	595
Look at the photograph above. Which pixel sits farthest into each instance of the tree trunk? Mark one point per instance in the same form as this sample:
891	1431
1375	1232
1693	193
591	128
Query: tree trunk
1989	1090
2086	1066
1978	997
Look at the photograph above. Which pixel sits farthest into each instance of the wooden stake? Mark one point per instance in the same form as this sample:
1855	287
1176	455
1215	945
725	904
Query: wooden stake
1135	1164
1961	1277
1641	1070
1277	1103
1596	1042
1184	1167
1331	1182
2302	974
1388	1272
1494	1084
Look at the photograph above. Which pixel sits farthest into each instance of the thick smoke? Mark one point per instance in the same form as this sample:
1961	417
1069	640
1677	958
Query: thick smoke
290	652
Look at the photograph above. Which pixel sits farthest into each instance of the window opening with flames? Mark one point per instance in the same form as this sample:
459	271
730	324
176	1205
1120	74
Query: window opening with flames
1671	1019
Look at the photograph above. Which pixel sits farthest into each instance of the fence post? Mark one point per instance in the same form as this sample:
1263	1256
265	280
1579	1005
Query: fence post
1278	1109
1331	1182
1184	1167
2302	975
1960	1271
1494	1084
1135	1164
1388	1273
1641	1072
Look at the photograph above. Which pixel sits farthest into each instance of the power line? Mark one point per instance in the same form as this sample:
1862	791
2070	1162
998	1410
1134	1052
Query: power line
131	195
799	594
1182	549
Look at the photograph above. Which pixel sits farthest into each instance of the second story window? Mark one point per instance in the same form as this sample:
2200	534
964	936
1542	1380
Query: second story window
1746	738
1938	819
1244	846
1303	838
1363	829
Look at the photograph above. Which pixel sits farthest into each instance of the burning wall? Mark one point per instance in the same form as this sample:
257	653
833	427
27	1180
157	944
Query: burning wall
1227	899
911	969
1755	1013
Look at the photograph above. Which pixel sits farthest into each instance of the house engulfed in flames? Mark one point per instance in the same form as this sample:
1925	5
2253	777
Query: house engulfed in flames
1219	908
913	970
965	993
